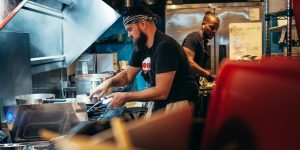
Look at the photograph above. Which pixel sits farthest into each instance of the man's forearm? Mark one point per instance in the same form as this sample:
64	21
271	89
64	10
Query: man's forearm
198	69
120	79
149	94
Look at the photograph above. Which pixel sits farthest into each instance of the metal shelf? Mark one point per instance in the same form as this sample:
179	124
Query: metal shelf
286	14
279	14
278	28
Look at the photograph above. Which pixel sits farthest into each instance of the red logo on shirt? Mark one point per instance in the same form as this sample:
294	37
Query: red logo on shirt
146	65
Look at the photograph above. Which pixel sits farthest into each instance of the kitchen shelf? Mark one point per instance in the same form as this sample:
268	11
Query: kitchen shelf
278	28
278	15
286	14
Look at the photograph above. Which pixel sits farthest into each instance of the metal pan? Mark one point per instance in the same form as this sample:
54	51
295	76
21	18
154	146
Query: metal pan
33	98
12	146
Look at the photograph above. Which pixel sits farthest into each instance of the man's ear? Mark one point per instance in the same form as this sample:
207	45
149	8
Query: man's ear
142	25
203	26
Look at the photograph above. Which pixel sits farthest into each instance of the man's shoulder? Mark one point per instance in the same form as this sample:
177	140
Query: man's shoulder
192	38
194	35
167	40
163	36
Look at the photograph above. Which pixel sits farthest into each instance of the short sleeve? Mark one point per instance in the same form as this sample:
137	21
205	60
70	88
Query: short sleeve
190	42
166	58
135	60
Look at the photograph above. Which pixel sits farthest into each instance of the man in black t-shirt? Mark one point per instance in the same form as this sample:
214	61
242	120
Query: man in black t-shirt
161	60
195	46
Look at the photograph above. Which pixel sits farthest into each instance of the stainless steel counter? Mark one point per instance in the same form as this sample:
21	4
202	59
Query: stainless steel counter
25	121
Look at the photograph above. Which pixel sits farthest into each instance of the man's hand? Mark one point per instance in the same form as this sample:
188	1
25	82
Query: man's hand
211	77
101	89
118	99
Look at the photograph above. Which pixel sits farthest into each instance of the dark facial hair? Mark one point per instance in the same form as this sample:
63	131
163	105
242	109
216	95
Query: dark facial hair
140	43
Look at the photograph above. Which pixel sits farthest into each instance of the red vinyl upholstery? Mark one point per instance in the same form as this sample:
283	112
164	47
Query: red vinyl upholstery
255	106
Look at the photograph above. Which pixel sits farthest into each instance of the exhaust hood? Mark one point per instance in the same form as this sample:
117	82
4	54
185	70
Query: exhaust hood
60	30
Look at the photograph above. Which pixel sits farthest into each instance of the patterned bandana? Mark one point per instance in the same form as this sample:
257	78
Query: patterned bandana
137	18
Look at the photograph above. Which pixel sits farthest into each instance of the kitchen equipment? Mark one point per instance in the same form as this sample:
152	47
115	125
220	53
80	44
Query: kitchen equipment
3	134
95	82
83	98
111	113
104	100
86	64
87	82
15	67
25	121
33	98
14	146
37	99
107	62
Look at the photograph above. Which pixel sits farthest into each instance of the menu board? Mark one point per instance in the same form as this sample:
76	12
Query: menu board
245	39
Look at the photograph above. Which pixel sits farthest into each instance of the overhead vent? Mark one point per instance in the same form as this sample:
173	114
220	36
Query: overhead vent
60	30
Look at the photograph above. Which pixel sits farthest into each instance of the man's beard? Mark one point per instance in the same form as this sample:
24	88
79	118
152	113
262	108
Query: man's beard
207	35
140	43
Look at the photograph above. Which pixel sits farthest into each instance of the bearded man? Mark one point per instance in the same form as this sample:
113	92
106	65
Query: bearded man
162	62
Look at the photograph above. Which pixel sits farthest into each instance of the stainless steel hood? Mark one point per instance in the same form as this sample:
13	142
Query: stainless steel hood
83	24
60	31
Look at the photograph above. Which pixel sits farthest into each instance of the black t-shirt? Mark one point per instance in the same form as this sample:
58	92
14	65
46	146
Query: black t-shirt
164	56
197	43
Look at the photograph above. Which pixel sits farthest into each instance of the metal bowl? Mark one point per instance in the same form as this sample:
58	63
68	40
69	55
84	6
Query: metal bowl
33	98
12	146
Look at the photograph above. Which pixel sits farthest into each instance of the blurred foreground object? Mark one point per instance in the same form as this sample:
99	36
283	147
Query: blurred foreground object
169	131
81	142
255	105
